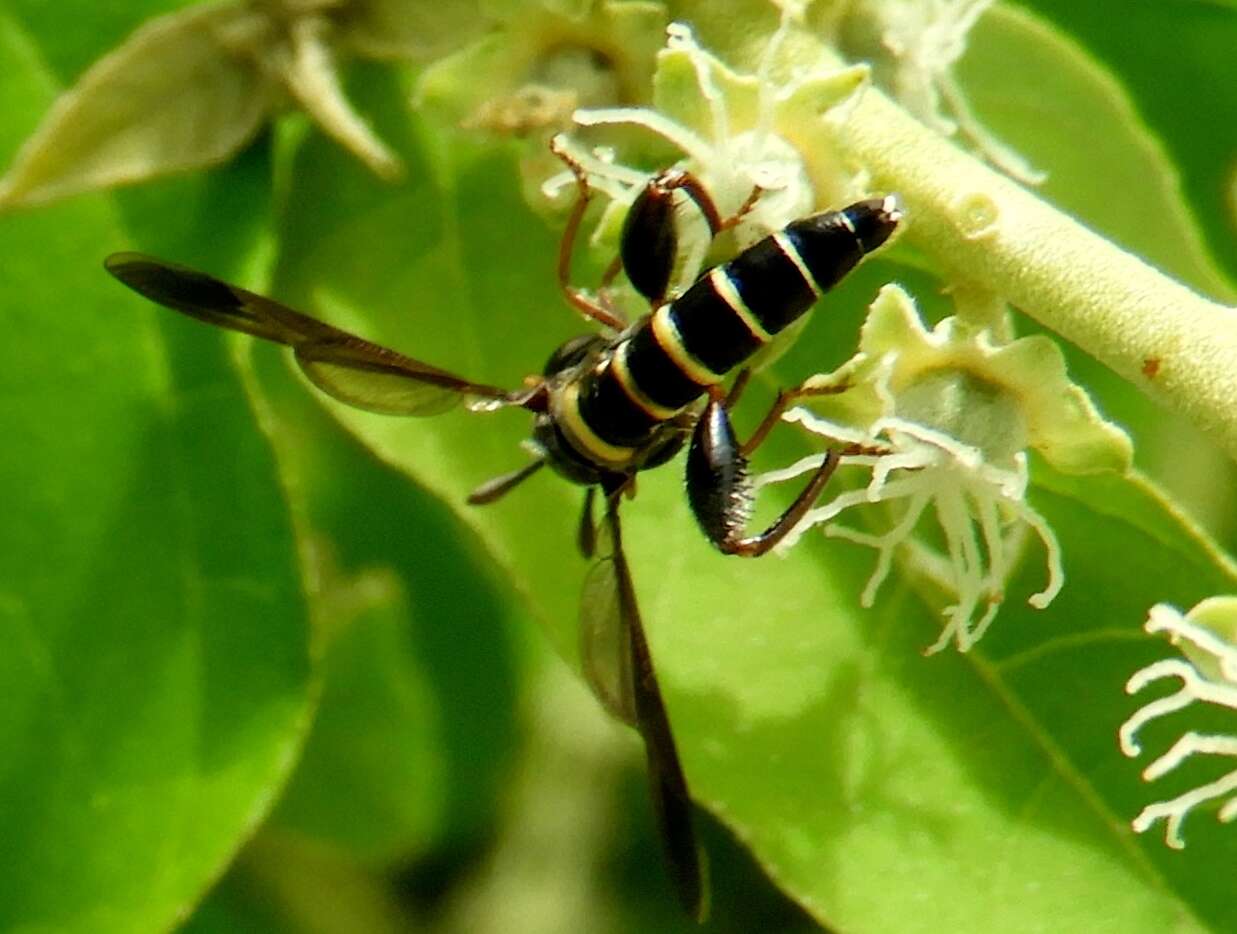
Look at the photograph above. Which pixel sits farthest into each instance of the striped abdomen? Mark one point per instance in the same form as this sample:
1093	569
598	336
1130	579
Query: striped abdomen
673	356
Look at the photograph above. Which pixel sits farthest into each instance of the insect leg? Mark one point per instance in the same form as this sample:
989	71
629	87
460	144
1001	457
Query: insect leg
785	398
586	534
500	486
719	489
731	398
577	298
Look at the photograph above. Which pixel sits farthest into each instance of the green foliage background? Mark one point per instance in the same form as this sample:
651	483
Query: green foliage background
261	669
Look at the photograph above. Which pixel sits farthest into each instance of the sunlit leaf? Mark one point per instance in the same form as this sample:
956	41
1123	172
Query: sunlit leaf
1175	59
1080	125
154	685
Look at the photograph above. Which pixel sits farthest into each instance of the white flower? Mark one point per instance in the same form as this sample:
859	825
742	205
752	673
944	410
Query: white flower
944	419
736	132
921	42
1206	637
981	509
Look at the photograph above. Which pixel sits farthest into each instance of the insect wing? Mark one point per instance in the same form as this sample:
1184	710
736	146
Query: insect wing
605	641
353	370
377	379
616	659
198	295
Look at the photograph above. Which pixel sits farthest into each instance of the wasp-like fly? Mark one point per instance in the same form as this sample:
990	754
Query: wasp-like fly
605	407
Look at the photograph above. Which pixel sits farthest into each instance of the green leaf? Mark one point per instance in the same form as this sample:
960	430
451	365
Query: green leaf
97	27
179	94
371	778
885	791
153	688
418	708
858	769
283	883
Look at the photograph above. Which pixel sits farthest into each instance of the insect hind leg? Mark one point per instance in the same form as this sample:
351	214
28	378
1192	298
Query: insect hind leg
718	486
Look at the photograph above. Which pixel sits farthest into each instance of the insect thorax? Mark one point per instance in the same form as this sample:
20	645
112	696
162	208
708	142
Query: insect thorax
592	432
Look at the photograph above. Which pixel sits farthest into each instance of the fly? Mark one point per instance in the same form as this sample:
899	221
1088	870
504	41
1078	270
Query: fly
606	407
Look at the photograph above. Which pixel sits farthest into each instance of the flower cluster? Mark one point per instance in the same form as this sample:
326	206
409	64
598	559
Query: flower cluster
1207	636
736	132
944	419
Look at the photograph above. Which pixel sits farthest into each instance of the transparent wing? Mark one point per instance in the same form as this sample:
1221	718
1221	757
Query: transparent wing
353	370
377	379
617	663
605	641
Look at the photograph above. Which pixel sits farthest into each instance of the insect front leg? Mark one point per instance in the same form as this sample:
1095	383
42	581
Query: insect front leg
600	312
719	488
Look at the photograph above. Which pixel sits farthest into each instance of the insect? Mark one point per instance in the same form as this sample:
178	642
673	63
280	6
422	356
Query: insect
606	407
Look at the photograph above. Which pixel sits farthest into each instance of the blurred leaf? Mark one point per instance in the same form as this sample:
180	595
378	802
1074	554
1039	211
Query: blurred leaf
190	88
154	687
307	63
371	778
417	714
177	95
416	29
96	28
541	60
286	883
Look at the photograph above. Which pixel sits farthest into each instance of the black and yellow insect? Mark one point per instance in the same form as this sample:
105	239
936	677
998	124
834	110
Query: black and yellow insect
606	406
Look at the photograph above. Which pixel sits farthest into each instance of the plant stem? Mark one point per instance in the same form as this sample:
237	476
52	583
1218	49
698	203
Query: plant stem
982	227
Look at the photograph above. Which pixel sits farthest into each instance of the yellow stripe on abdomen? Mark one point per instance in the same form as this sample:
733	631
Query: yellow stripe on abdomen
668	337
581	435
618	366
